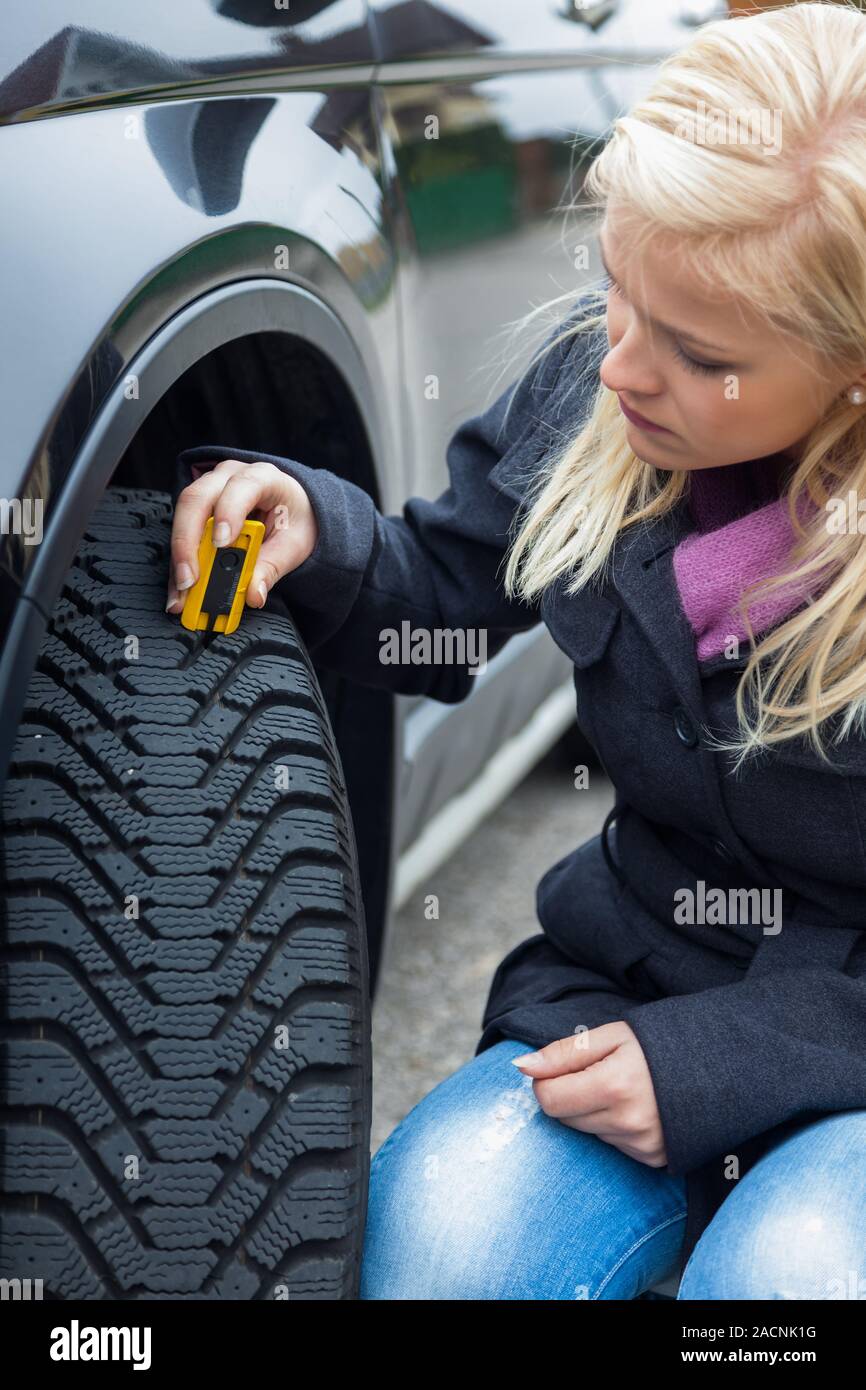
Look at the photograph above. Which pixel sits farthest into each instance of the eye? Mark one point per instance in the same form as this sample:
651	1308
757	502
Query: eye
692	364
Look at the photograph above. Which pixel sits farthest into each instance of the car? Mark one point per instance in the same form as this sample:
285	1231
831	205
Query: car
299	230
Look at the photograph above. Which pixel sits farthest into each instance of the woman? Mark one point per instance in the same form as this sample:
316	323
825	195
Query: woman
672	483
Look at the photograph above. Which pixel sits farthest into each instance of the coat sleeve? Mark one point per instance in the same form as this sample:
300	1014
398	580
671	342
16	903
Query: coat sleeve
731	1062
438	565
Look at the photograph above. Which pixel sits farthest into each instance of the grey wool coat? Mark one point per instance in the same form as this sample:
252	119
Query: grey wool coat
750	1030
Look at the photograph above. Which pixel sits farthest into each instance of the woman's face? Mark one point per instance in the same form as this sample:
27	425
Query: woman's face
725	386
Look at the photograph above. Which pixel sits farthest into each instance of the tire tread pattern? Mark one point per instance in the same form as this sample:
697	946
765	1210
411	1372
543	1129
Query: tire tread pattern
152	1041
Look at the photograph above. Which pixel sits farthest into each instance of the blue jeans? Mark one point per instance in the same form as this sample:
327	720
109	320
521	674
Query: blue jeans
478	1194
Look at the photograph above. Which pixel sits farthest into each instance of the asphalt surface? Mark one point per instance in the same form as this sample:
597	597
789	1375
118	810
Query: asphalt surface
436	972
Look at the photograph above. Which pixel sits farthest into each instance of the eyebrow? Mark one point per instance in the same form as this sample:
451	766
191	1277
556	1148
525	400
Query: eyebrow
676	332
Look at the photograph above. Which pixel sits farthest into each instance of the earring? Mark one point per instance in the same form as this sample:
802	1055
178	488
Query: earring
856	395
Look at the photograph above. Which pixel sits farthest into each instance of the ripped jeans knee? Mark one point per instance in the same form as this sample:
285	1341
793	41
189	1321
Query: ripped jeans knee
478	1194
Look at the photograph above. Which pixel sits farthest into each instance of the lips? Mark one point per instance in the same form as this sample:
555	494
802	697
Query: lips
640	420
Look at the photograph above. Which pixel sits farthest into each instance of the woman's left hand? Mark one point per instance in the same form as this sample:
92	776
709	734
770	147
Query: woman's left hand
598	1080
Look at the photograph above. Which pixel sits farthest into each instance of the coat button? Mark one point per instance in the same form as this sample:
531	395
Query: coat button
723	852
685	729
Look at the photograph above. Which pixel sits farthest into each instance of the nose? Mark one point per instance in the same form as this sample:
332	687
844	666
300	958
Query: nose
629	366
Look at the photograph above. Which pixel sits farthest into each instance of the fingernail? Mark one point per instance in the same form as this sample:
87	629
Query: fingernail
221	533
527	1057
172	600
183	576
263	590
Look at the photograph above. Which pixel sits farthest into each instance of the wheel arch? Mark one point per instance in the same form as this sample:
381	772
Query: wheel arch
243	309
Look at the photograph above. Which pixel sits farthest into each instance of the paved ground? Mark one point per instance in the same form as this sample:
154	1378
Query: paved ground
436	974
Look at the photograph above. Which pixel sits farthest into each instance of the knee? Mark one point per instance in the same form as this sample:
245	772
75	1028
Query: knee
794	1226
796	1248
442	1186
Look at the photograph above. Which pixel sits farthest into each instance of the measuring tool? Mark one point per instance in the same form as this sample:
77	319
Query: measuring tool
216	600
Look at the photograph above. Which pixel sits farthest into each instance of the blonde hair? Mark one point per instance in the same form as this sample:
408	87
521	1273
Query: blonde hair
786	234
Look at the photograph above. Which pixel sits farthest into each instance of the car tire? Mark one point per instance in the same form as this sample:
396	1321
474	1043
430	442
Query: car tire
187	1068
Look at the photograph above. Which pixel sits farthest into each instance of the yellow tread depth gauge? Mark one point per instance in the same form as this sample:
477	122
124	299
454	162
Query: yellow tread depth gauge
216	600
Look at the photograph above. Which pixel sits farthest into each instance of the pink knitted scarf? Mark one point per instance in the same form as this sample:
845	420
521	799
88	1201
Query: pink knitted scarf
743	535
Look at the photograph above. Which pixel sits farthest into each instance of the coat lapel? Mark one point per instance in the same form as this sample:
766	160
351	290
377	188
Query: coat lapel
642	573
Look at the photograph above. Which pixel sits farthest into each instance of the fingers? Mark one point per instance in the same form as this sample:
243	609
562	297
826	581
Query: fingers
292	535
194	505
230	492
264	577
256	485
594	1092
570	1054
641	1144
282	551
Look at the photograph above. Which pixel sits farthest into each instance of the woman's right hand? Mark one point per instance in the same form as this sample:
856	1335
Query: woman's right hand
232	491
